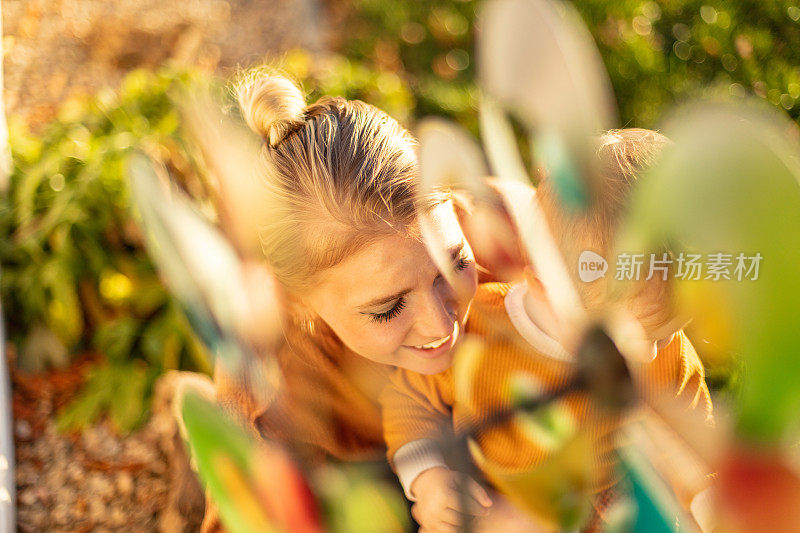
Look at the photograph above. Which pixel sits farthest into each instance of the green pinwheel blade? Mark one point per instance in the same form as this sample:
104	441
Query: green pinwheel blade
730	184
257	487
557	491
358	499
225	458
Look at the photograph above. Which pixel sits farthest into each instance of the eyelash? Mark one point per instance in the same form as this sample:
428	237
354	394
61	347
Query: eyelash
391	313
461	264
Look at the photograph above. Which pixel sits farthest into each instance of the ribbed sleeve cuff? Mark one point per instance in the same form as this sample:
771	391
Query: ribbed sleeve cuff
412	459
702	510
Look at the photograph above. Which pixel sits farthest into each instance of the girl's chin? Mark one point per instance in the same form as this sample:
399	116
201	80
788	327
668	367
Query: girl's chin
430	365
428	368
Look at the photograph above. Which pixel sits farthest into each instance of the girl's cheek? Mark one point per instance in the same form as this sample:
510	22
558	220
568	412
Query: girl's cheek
400	328
471	278
466	282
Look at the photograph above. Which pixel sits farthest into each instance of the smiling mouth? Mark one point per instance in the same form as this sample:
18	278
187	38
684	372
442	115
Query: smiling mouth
433	345
438	347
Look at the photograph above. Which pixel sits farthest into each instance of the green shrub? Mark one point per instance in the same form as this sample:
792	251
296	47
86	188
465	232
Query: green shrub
75	275
657	53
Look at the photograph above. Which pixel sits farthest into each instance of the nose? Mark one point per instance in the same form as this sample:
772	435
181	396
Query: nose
439	312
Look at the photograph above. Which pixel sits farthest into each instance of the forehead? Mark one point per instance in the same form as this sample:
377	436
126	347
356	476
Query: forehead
388	264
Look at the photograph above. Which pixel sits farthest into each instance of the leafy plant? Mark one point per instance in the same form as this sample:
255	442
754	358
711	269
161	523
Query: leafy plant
118	389
75	276
427	45
657	52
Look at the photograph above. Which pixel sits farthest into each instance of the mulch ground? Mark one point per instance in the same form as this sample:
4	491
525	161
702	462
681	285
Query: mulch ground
96	480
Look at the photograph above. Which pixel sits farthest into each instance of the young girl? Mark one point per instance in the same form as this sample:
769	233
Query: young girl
362	295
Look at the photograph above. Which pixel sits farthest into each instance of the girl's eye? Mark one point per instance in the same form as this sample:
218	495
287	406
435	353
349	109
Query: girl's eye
462	263
390	314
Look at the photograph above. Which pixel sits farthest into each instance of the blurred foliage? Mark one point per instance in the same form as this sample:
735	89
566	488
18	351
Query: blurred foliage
75	275
657	53
335	74
427	45
118	389
660	53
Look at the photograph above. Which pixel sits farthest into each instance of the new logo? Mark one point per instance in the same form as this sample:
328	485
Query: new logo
591	266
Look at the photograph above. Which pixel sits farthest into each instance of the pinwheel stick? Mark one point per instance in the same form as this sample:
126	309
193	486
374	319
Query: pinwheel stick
455	446
601	371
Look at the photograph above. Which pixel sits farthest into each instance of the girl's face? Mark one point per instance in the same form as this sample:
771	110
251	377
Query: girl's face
390	304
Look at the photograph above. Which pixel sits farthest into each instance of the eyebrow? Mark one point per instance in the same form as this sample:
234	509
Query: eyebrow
454	253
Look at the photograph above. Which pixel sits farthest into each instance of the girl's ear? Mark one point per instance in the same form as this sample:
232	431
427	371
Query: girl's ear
303	317
257	312
297	306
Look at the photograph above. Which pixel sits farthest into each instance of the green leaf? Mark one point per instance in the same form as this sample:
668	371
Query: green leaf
127	408
161	340
148	297
117	389
116	337
64	311
97	393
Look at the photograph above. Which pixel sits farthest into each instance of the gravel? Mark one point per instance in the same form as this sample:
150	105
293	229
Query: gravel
56	48
99	480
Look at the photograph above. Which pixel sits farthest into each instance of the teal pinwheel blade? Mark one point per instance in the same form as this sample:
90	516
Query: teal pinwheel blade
197	262
656	508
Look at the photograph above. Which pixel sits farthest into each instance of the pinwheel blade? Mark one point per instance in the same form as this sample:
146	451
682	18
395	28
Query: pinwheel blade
537	60
195	261
728	193
232	156
204	273
256	485
557	492
452	160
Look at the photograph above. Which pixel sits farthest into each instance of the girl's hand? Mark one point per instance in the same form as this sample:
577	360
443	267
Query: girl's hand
438	507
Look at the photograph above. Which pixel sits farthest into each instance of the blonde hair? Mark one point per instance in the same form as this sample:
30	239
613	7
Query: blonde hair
623	156
338	173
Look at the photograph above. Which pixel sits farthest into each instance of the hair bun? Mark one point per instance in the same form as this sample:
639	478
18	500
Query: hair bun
272	105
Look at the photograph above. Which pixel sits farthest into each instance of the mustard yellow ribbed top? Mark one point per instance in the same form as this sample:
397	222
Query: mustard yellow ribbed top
416	406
